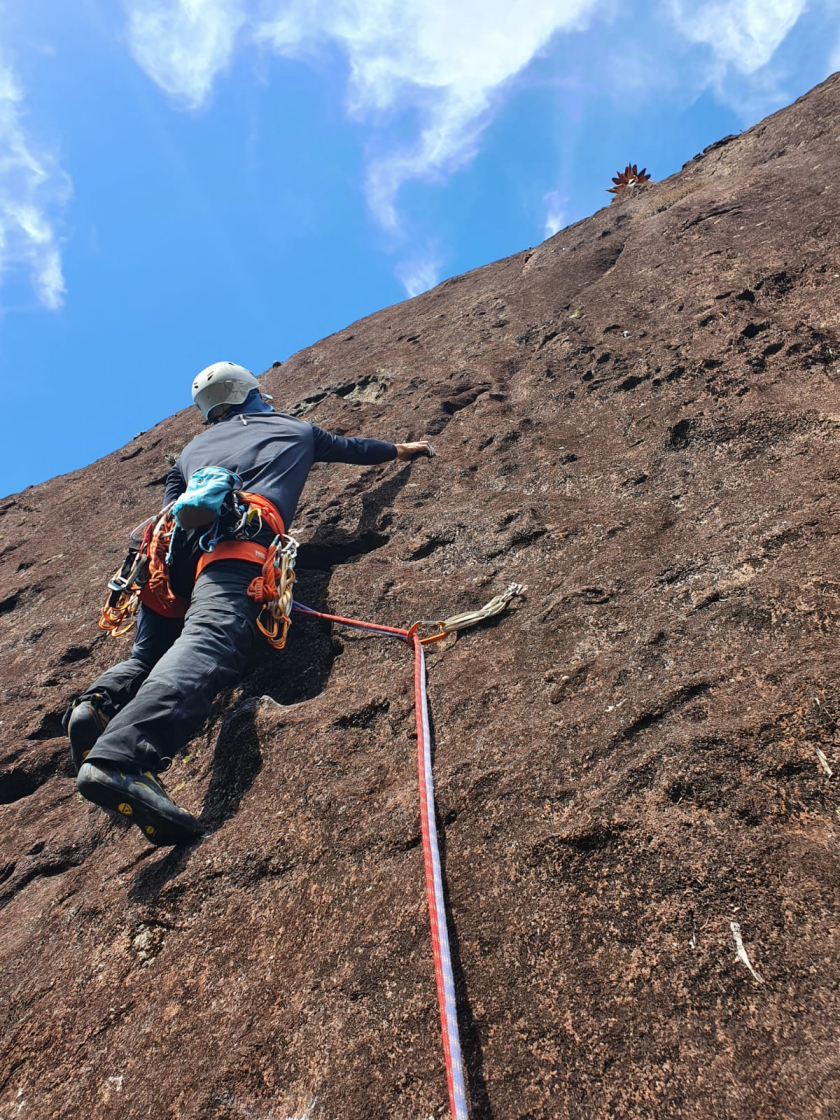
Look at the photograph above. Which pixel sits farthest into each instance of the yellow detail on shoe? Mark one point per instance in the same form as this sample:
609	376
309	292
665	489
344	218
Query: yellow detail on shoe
86	753
150	830
125	809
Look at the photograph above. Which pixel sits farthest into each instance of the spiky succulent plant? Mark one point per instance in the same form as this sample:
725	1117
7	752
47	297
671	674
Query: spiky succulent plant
629	177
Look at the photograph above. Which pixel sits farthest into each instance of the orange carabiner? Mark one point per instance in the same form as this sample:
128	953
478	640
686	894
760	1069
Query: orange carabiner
412	630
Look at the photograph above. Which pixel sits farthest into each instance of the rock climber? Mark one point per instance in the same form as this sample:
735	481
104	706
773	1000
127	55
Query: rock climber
126	727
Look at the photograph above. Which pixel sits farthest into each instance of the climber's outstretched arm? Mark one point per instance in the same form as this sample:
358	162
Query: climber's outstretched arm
364	452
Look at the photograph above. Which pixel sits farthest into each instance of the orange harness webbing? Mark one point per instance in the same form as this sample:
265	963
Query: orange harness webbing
268	511
233	550
174	607
275	600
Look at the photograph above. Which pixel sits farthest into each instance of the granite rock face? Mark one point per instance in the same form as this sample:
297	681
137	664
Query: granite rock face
640	420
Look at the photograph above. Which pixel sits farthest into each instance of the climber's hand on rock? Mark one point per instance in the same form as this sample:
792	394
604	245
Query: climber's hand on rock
408	451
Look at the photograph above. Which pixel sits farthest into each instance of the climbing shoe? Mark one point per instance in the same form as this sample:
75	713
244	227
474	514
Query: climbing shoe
84	724
141	798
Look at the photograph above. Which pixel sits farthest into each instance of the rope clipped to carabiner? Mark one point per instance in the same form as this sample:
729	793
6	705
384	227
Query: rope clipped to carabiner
468	618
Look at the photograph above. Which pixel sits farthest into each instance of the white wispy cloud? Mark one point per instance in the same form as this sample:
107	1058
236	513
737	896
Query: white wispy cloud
33	188
419	275
446	62
184	46
744	34
450	62
555	217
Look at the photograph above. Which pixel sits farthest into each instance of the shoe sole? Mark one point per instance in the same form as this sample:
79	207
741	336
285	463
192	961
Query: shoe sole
152	823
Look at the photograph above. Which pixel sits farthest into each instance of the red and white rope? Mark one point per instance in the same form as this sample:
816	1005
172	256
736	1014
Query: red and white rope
434	889
431	859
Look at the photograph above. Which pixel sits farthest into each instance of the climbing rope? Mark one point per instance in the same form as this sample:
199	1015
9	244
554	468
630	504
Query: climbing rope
160	547
434	892
444	978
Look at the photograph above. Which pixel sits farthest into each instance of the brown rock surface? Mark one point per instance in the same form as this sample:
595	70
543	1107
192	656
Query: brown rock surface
640	420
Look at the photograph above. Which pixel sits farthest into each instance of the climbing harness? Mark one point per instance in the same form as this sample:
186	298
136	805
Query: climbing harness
144	575
444	978
272	588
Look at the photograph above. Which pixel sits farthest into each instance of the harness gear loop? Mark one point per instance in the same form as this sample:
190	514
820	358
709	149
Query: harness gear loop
274	588
260	509
127	587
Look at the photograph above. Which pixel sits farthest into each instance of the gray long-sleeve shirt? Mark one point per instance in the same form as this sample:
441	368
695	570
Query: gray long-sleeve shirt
272	453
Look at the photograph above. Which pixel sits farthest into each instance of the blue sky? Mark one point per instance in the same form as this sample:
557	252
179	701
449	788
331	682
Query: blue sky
185	181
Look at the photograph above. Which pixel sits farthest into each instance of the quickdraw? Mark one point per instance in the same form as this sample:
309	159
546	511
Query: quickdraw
466	619
119	618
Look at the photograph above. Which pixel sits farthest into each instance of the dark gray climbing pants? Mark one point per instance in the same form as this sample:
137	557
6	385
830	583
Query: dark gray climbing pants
164	691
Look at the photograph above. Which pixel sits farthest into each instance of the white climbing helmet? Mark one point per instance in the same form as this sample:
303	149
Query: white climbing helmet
222	383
